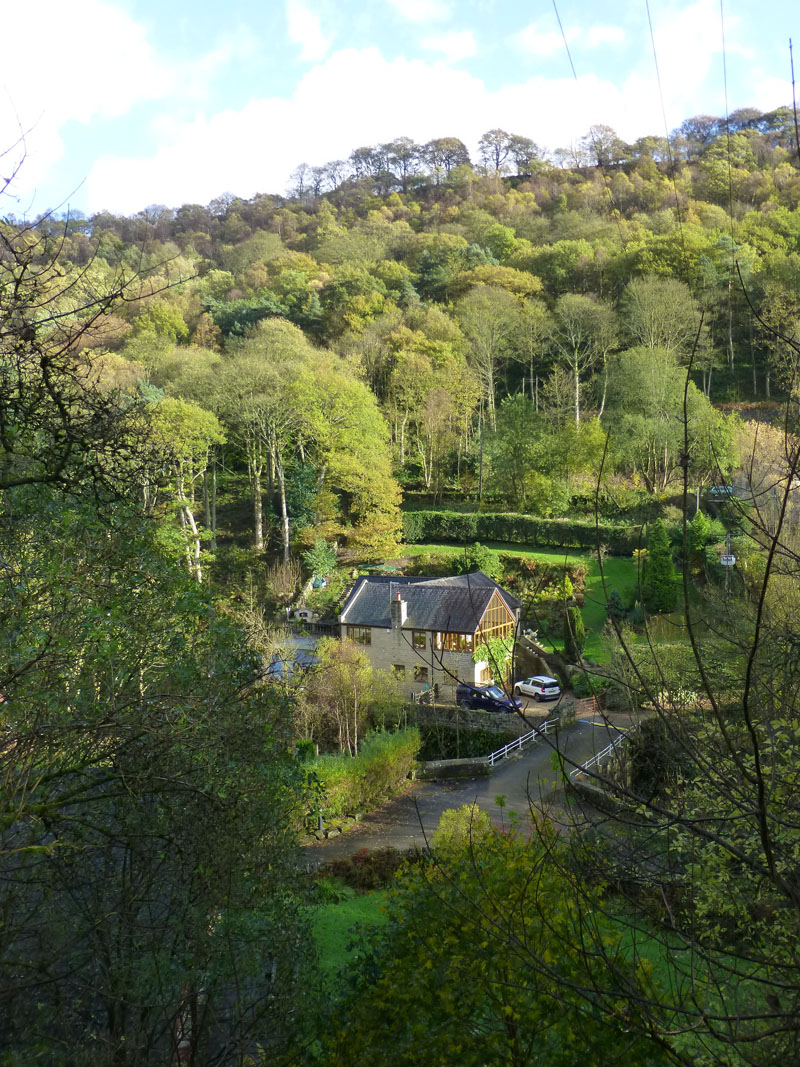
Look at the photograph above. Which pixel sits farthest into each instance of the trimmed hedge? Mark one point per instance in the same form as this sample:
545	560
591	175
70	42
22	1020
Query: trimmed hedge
352	784
424	527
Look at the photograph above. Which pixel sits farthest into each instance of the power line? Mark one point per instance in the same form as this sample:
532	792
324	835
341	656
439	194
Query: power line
614	209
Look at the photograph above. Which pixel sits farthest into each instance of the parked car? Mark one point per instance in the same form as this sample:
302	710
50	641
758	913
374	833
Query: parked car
485	698
540	687
720	491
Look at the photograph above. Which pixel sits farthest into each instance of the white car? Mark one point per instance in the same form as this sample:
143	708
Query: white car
540	687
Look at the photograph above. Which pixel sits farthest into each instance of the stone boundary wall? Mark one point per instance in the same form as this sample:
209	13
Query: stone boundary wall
452	768
501	723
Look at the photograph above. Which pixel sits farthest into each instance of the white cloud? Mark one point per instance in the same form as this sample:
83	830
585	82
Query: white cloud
422	10
49	81
305	31
688	44
536	42
768	92
44	82
599	35
198	75
453	46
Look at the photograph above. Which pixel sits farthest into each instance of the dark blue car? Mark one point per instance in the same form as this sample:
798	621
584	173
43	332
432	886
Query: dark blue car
485	698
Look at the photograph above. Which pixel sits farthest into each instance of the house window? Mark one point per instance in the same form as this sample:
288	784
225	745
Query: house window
418	639
497	621
420	674
398	670
451	642
485	675
362	635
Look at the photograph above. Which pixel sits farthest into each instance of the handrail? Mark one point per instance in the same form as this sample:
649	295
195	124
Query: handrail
596	759
518	742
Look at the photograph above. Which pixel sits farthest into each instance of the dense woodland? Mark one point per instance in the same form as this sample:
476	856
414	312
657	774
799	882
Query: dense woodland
201	408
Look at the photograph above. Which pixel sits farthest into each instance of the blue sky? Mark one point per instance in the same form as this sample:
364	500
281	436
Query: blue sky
127	103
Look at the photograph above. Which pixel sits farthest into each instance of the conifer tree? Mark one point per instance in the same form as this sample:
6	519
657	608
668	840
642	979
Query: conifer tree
659	587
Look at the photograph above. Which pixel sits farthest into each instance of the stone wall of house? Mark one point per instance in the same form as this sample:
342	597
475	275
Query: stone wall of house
389	649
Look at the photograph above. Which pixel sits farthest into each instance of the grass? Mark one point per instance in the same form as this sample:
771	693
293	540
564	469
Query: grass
620	573
333	926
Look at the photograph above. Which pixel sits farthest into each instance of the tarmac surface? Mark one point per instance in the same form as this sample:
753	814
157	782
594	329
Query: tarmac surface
528	781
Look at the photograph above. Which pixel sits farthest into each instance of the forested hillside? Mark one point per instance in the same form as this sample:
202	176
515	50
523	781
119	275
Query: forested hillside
203	409
401	316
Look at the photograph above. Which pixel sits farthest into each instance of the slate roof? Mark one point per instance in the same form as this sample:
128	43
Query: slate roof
452	604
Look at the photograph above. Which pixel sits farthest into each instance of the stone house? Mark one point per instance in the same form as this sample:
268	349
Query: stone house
425	630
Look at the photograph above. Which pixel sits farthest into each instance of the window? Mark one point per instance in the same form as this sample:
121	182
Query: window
420	674
362	635
485	675
418	639
450	642
398	670
496	622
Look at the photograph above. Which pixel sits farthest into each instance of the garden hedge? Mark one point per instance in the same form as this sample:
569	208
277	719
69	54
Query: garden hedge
425	527
351	784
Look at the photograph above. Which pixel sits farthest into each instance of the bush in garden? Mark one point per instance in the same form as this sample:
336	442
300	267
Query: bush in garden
320	558
351	784
574	634
420	527
367	871
615	609
659	586
476	557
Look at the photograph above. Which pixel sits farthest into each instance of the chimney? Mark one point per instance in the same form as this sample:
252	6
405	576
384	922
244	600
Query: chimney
398	610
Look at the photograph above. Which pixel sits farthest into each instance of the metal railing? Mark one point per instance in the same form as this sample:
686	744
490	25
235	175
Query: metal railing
598	758
520	742
425	697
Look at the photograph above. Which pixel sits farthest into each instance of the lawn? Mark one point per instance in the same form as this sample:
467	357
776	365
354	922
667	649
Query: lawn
619	571
333	925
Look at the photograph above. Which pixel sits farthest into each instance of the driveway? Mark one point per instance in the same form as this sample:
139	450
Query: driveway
531	777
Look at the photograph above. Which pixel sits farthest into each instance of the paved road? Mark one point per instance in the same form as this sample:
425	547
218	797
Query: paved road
409	820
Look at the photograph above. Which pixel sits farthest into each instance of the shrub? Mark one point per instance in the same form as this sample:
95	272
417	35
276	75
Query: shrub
574	634
615	609
367	871
305	750
462	829
476	557
431	565
331	889
351	784
450	742
321	558
660	588
588	685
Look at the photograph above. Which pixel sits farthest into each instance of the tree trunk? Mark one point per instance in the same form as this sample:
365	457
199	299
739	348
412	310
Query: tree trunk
187	519
730	325
480	462
355	724
284	513
577	395
605	389
213	526
403	439
254	468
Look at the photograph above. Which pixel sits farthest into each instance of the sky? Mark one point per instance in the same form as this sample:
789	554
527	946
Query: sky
121	104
